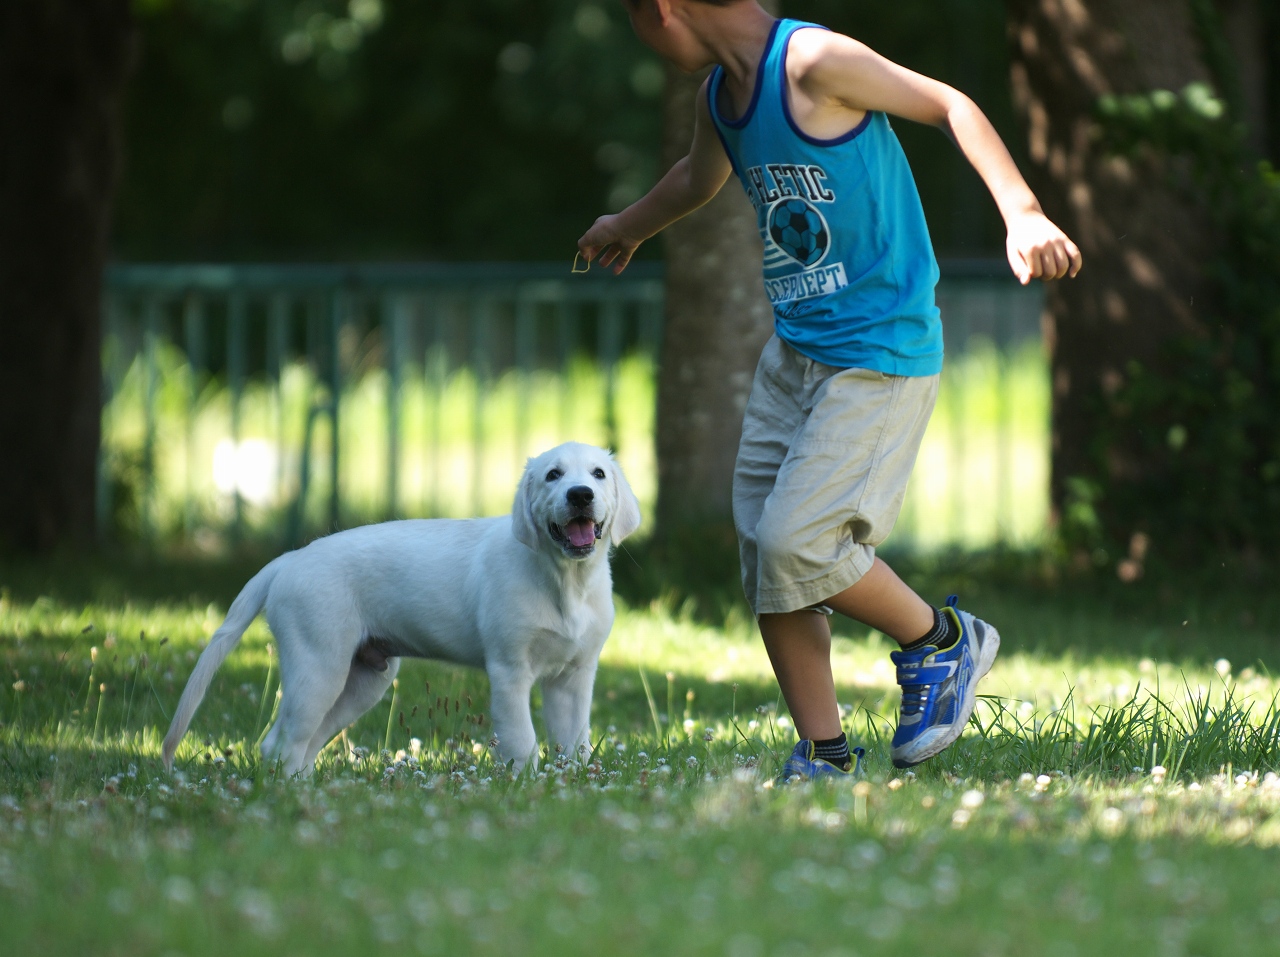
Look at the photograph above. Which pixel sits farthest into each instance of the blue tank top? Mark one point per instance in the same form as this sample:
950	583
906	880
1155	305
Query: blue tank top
848	264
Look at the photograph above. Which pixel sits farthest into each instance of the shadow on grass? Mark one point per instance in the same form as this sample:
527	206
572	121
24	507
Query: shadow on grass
1195	616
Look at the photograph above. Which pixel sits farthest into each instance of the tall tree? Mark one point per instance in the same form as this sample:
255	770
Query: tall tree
1143	239
717	320
63	65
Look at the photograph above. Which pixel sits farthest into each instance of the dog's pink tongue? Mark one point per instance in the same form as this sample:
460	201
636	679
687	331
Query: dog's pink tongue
580	532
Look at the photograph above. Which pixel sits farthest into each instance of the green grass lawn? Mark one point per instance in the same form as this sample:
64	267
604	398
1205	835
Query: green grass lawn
1044	831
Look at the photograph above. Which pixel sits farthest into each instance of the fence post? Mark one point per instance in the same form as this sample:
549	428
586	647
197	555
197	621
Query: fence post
337	316
393	308
564	354
958	426
102	486
150	335
1004	480
526	346
480	369
435	367
193	335
610	346
235	375
277	359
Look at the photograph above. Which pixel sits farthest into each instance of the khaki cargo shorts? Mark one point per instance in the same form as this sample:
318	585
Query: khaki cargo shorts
821	472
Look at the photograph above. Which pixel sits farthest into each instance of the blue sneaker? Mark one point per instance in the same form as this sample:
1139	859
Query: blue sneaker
939	687
803	766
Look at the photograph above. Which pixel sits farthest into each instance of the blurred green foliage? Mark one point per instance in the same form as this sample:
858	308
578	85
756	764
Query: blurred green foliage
466	128
458	129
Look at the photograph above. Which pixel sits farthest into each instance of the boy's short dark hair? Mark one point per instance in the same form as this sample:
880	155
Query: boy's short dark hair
714	3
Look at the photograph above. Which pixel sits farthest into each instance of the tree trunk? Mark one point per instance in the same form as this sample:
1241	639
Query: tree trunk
717	320
63	65
1143	241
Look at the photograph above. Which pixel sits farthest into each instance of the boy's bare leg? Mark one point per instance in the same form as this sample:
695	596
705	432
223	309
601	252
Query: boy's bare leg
799	647
799	644
883	601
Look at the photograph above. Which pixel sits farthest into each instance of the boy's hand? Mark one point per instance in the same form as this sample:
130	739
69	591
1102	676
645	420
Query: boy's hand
606	240
1040	250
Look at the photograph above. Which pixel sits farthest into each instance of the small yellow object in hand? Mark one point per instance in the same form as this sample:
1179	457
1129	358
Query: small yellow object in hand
574	268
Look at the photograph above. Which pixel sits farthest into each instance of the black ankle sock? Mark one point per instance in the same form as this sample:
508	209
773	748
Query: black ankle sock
835	751
942	635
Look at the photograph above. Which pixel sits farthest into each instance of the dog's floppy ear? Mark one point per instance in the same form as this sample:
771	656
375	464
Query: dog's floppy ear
523	527
627	518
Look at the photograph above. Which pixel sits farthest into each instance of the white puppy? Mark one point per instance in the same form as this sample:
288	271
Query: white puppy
527	597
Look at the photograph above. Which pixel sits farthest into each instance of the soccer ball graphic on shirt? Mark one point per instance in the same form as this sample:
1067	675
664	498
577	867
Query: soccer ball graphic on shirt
798	229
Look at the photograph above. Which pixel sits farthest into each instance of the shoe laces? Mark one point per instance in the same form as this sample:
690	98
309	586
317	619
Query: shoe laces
914	698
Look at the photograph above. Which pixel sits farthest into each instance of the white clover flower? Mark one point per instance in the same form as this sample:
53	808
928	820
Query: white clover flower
179	890
708	735
1223	667
1025	780
1043	781
972	800
692	761
1157	774
1112	819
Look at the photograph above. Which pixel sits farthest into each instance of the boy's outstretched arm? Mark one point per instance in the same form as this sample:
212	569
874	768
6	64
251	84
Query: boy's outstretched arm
834	72
689	184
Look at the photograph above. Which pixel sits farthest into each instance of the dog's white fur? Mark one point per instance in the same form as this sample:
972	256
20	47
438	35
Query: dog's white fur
503	594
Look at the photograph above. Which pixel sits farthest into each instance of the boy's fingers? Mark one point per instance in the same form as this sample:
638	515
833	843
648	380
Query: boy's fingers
1018	263
1060	261
1077	258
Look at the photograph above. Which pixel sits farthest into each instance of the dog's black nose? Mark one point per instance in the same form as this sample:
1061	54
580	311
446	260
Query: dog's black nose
580	496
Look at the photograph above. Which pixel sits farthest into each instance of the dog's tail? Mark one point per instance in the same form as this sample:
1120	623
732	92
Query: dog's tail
243	610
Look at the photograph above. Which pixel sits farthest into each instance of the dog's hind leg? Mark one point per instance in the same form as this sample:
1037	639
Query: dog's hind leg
365	687
312	683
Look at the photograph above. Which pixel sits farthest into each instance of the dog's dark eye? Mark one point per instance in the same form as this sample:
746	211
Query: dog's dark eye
553	475
598	473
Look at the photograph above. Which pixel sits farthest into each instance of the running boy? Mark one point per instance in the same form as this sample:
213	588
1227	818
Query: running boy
845	388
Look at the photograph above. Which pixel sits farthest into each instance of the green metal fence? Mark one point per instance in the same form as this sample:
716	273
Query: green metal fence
268	401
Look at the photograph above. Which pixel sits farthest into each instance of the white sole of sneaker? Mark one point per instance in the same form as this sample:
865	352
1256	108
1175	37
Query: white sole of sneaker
934	742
